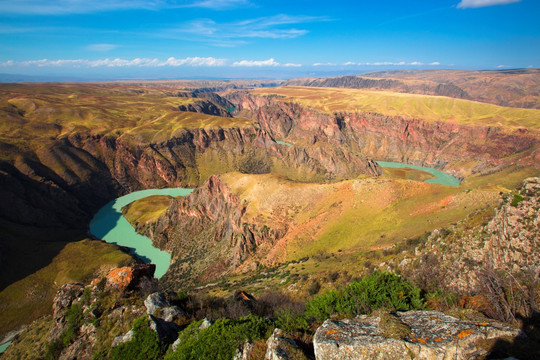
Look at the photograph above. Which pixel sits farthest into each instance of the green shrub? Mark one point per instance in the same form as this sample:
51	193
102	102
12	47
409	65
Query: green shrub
221	340
517	198
144	345
379	290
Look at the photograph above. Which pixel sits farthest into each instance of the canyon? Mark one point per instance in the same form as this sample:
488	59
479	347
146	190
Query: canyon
69	149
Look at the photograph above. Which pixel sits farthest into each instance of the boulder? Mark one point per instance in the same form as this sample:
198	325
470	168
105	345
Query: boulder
205	324
129	277
244	351
421	335
155	301
278	347
123	338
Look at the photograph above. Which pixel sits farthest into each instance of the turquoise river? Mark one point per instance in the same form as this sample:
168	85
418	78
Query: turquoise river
110	225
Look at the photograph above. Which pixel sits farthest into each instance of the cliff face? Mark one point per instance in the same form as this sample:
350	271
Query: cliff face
374	136
206	234
503	251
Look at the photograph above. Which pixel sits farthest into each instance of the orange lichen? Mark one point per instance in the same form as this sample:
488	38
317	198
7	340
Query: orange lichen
464	333
438	340
331	332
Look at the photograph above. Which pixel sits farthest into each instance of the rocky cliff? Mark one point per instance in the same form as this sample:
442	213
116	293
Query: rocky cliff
373	136
465	256
206	234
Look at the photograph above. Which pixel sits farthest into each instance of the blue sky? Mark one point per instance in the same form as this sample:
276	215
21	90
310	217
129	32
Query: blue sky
113	39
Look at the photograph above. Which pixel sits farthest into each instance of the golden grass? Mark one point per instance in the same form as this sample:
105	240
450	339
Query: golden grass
425	107
147	209
31	115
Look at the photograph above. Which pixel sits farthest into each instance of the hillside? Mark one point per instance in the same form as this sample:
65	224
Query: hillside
515	88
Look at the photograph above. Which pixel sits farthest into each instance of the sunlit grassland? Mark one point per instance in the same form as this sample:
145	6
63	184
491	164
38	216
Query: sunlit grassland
32	115
147	209
425	107
354	215
32	296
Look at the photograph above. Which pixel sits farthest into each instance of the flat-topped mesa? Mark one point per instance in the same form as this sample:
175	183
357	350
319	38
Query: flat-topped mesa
206	233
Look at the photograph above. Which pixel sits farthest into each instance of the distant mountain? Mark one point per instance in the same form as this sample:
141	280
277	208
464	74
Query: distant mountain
515	88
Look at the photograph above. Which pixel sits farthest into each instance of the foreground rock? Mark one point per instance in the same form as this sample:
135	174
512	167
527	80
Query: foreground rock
407	335
130	277
279	347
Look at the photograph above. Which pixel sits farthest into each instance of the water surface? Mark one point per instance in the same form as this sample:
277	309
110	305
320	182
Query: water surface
110	225
283	143
4	346
440	177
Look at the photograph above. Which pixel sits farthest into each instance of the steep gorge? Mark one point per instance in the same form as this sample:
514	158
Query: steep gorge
459	149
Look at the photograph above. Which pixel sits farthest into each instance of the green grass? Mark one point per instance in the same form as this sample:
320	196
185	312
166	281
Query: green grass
31	297
425	107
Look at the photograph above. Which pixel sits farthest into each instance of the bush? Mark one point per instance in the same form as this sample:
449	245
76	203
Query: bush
144	345
516	200
221	340
379	290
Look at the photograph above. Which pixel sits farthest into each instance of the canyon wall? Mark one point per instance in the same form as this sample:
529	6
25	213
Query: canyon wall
458	149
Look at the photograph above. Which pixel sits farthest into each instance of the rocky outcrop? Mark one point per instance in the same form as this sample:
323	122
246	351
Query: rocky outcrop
279	347
427	335
130	277
513	240
157	304
205	107
206	234
466	258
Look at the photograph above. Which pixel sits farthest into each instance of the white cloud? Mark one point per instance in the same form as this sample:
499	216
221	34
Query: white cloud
292	65
250	63
416	63
324	64
137	62
502	66
466	4
101	47
435	63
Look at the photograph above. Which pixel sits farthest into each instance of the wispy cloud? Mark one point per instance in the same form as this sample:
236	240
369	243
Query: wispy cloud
218	4
259	63
292	65
280	26
502	66
466	4
384	63
101	47
63	7
118	62
324	64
